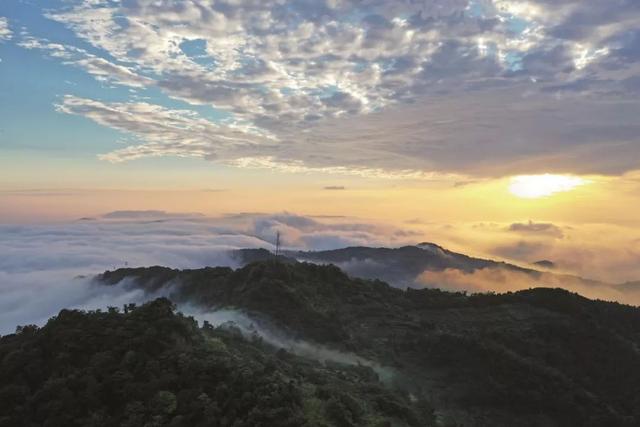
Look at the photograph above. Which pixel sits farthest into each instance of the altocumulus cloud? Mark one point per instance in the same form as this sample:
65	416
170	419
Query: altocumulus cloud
48	267
334	85
5	32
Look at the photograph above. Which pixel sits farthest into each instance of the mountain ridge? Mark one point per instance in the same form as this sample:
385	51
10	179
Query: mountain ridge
404	267
552	356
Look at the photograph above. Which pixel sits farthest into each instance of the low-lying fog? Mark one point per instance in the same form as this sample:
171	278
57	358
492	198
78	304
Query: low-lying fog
44	268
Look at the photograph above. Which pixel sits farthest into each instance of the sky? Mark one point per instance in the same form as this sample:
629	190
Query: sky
454	120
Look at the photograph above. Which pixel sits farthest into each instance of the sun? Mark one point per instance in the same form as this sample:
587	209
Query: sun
535	186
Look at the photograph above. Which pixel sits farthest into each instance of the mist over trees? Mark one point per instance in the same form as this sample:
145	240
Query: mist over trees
148	366
540	357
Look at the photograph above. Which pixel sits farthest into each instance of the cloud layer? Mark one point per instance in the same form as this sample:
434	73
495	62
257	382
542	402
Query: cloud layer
501	280
5	32
544	228
605	252
46	268
415	86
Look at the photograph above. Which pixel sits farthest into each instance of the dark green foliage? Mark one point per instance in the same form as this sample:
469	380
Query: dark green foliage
542	357
152	367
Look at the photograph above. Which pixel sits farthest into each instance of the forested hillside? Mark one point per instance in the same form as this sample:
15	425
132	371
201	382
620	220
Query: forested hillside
153	367
536	357
542	357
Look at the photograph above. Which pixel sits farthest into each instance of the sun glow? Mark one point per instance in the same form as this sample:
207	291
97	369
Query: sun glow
534	186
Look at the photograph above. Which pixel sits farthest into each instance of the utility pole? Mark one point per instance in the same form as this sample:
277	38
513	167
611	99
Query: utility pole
277	244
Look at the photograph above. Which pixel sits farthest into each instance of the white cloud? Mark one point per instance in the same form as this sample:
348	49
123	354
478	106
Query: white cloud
167	132
40	265
600	251
502	280
297	166
251	327
540	228
294	69
104	70
5	32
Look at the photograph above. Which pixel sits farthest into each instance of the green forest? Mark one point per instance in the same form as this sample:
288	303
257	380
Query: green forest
150	366
541	357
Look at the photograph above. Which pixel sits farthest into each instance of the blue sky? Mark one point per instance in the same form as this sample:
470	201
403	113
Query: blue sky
31	84
373	88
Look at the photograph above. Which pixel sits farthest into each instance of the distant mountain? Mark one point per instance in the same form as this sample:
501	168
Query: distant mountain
247	256
402	267
632	286
545	263
541	357
630	289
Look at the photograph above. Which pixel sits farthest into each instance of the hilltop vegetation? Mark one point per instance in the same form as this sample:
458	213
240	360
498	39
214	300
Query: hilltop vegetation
541	357
153	367
430	265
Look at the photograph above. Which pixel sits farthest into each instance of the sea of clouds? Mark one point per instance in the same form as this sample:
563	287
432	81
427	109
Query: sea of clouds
44	268
47	267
